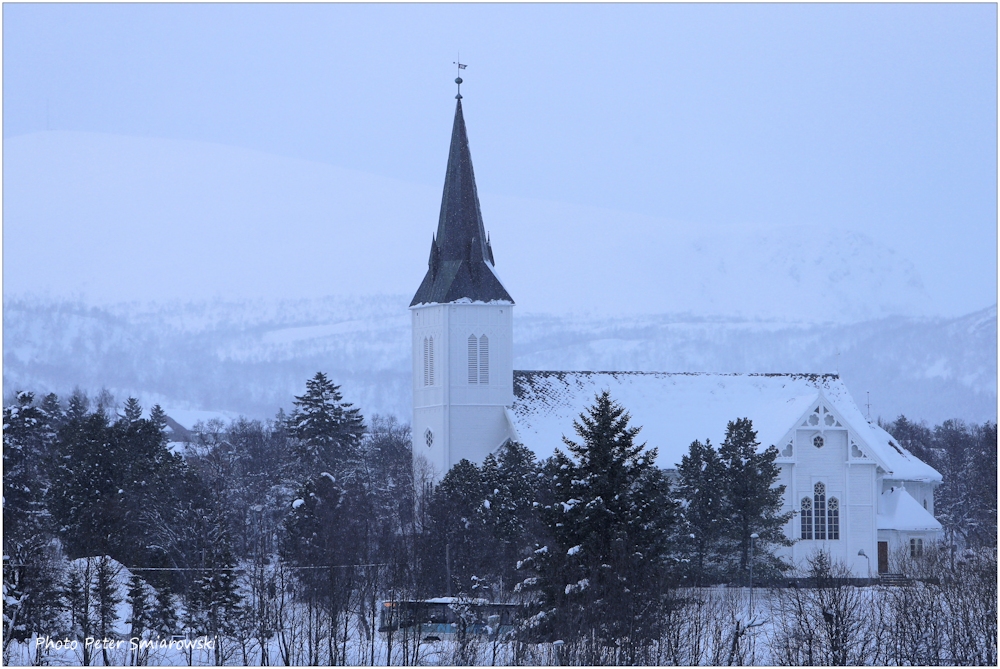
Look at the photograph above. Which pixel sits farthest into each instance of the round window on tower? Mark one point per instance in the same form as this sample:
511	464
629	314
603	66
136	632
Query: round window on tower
818	441
429	437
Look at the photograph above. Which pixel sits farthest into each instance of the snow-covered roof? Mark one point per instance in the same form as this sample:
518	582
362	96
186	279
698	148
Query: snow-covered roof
901	463
674	409
901	512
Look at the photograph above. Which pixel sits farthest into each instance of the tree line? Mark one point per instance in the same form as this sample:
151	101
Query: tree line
280	539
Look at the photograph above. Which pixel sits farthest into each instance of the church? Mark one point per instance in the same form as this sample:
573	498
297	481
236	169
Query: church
855	493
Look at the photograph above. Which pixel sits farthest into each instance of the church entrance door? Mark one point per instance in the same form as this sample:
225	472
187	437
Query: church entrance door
883	557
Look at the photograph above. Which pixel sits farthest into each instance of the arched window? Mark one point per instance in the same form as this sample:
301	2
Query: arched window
819	510
473	359
484	359
833	519
807	518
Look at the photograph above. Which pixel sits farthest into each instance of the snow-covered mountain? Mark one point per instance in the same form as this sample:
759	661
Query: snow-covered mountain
130	241
251	357
112	218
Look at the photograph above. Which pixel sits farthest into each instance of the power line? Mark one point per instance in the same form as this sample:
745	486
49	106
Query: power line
319	566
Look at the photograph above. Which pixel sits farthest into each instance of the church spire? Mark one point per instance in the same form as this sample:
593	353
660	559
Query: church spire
460	248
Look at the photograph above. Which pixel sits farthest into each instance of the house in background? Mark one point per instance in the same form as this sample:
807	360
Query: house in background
855	492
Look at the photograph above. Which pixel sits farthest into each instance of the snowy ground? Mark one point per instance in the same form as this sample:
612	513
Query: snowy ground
720	629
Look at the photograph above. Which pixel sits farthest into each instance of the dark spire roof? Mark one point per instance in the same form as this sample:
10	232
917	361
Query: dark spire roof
461	260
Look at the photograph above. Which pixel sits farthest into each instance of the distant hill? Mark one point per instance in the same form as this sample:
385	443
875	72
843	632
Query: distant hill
251	357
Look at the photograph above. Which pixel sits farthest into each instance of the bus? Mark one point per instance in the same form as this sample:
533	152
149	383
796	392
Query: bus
441	618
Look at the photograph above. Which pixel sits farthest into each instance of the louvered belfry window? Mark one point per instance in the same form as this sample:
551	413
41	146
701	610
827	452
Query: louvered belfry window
473	359
484	360
430	361
426	363
479	360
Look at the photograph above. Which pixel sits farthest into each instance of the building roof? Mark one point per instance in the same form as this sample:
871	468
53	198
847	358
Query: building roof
901	512
675	409
899	462
460	267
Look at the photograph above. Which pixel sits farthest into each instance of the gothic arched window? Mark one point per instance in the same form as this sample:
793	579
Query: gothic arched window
819	510
484	359
807	518
833	519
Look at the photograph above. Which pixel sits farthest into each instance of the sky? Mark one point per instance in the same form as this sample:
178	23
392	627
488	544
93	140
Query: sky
851	118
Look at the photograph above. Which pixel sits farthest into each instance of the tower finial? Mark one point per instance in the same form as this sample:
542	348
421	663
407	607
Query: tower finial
458	79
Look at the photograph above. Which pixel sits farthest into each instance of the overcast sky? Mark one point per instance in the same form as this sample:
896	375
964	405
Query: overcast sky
879	119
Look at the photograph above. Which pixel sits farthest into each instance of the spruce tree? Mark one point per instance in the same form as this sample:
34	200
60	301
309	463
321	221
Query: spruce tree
456	542
753	502
140	619
511	484
702	486
133	410
215	599
106	597
163	617
115	487
609	522
31	559
327	429
78	596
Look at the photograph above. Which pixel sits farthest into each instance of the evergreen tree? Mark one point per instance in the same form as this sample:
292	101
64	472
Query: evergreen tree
31	557
106	597
511	483
602	572
456	547
328	431
158	417
78	405
752	503
322	536
78	596
702	486
213	601
981	480
132	410
115	487
965	456
163	618
914	437
140	619
85	499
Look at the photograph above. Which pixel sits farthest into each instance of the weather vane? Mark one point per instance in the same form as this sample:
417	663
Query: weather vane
458	79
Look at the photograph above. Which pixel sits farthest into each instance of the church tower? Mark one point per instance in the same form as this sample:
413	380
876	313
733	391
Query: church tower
463	378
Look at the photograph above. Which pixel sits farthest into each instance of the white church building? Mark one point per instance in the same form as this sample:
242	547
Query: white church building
855	492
